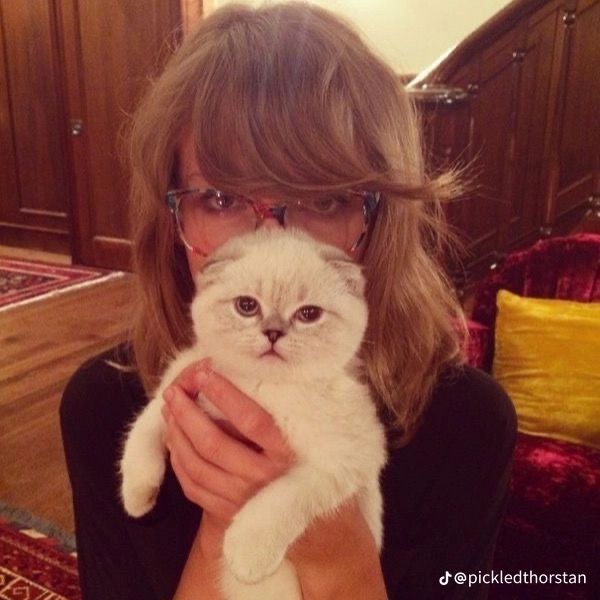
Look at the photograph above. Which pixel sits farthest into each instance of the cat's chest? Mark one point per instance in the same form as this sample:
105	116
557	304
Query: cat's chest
297	409
284	401
327	423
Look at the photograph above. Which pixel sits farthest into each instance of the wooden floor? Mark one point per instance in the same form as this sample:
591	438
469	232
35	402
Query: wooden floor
28	254
41	345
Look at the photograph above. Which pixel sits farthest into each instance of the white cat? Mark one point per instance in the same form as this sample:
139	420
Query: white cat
282	317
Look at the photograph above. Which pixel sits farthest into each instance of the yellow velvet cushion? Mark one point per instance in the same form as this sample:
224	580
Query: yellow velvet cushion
547	357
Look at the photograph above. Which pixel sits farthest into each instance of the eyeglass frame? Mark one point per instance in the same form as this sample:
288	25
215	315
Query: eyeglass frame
264	211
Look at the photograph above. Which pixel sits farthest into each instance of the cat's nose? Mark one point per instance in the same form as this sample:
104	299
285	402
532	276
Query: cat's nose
273	334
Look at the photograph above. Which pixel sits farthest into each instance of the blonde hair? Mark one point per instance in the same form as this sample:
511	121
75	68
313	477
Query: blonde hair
288	100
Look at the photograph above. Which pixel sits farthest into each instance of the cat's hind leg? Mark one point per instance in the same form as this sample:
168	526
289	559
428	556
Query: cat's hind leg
371	505
256	541
281	585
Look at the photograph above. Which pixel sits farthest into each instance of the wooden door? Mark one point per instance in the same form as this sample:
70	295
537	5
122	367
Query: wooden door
34	183
574	148
534	58
71	73
111	48
491	145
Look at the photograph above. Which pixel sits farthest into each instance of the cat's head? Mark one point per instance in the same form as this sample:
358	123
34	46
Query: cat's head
278	305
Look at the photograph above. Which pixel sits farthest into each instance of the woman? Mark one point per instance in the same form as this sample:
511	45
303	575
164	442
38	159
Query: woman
286	107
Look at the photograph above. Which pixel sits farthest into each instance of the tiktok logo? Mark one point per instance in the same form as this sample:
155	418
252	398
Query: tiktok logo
445	579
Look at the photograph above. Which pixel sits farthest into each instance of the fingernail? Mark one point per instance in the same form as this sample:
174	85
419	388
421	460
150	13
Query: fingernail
168	395
205	366
165	412
201	377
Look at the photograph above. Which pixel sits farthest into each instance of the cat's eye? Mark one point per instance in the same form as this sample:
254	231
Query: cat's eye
246	306
308	314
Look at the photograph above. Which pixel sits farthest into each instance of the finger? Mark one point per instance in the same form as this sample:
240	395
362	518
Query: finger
186	380
203	473
250	419
195	493
216	446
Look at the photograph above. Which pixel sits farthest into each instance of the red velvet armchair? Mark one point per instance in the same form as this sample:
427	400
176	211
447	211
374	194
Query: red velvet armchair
552	523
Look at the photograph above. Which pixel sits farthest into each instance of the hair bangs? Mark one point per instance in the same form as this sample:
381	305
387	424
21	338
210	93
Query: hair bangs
281	115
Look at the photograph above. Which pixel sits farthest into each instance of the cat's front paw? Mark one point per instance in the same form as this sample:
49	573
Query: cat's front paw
139	489
251	553
139	500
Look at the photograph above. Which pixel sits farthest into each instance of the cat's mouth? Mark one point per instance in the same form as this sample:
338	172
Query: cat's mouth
271	352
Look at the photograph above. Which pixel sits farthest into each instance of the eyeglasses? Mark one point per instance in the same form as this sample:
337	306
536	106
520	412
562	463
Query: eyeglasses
207	218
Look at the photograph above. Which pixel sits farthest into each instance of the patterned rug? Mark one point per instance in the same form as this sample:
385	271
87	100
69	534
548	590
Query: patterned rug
26	281
33	564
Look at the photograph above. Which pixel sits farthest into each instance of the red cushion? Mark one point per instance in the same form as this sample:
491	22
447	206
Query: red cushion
476	344
553	517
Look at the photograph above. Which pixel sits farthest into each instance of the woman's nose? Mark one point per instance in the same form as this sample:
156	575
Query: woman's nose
271	222
271	214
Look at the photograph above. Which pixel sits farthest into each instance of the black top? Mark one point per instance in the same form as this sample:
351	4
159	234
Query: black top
445	492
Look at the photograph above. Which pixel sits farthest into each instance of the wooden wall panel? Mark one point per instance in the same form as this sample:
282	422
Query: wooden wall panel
9	190
35	201
578	139
531	74
493	143
534	59
66	64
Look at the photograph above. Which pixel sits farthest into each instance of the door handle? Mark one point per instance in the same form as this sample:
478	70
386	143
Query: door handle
76	126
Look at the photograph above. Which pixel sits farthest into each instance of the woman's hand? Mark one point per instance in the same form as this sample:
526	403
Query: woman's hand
217	471
220	473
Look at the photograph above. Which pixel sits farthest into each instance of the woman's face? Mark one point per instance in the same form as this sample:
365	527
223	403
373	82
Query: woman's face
191	177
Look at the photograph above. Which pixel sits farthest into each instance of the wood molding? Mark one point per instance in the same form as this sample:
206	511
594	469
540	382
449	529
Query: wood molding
477	42
527	124
192	11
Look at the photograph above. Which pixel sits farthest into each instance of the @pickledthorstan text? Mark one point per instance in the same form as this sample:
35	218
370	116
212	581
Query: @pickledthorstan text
520	577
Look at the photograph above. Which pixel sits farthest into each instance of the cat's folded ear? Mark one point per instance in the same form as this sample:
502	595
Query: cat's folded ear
351	272
213	267
353	276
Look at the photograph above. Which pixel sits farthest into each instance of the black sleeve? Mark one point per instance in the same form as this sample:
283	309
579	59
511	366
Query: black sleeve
446	492
96	406
119	558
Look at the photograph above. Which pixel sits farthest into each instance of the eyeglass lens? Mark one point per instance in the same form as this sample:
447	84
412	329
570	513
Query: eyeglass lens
207	220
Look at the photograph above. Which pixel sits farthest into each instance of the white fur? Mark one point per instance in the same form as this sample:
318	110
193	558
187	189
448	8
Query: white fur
313	392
